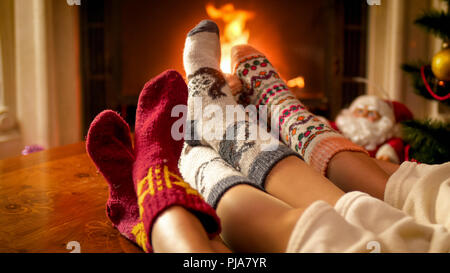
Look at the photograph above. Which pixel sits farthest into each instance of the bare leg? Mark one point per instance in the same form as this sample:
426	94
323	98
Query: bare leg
258	222
297	184
219	246
354	171
254	221
178	230
387	167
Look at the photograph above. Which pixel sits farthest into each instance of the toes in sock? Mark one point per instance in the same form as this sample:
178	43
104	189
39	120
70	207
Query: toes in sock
235	141
109	146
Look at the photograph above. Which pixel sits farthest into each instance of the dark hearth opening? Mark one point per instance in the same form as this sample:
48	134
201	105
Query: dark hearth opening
126	43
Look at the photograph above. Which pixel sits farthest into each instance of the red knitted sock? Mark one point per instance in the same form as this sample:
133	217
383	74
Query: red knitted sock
109	146
158	182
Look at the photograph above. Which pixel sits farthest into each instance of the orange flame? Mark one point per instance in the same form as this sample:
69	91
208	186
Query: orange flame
234	32
297	82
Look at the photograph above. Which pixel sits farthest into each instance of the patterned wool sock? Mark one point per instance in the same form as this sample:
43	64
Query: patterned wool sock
204	169
158	182
234	139
109	146
311	138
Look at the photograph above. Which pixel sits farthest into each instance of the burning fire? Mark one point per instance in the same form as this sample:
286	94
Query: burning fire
296	82
234	32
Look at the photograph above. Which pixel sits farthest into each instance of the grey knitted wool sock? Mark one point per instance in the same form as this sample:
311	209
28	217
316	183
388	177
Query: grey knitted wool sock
239	141
204	170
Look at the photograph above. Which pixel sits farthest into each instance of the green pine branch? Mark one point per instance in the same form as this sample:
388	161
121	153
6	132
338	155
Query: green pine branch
428	140
413	69
435	22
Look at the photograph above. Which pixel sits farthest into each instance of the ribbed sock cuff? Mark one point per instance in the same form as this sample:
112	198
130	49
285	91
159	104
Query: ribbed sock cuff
221	187
327	148
265	161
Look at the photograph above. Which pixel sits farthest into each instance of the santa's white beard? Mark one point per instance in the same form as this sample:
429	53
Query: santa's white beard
363	131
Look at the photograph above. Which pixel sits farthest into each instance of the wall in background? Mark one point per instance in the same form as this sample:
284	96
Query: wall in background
10	138
43	74
393	40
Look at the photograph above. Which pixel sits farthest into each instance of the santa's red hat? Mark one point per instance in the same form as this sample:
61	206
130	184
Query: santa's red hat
401	111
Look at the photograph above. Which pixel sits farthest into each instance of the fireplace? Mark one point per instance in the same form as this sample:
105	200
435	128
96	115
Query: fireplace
319	47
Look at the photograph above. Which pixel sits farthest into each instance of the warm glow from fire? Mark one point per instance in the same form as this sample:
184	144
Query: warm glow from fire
296	82
234	32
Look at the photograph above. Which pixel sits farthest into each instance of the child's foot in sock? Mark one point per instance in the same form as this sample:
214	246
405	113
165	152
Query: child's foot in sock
158	182
204	169
234	140
109	146
311	138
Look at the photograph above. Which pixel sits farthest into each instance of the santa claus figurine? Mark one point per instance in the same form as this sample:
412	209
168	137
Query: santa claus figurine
374	124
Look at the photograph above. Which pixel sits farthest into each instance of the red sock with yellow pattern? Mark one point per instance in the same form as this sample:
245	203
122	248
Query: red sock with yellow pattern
158	182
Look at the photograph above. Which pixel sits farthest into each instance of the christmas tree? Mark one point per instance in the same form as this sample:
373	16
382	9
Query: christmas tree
429	140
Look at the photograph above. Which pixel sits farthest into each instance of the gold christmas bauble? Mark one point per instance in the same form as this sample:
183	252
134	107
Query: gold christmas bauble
441	65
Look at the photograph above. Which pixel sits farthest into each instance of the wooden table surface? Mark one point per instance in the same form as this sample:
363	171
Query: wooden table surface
53	197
